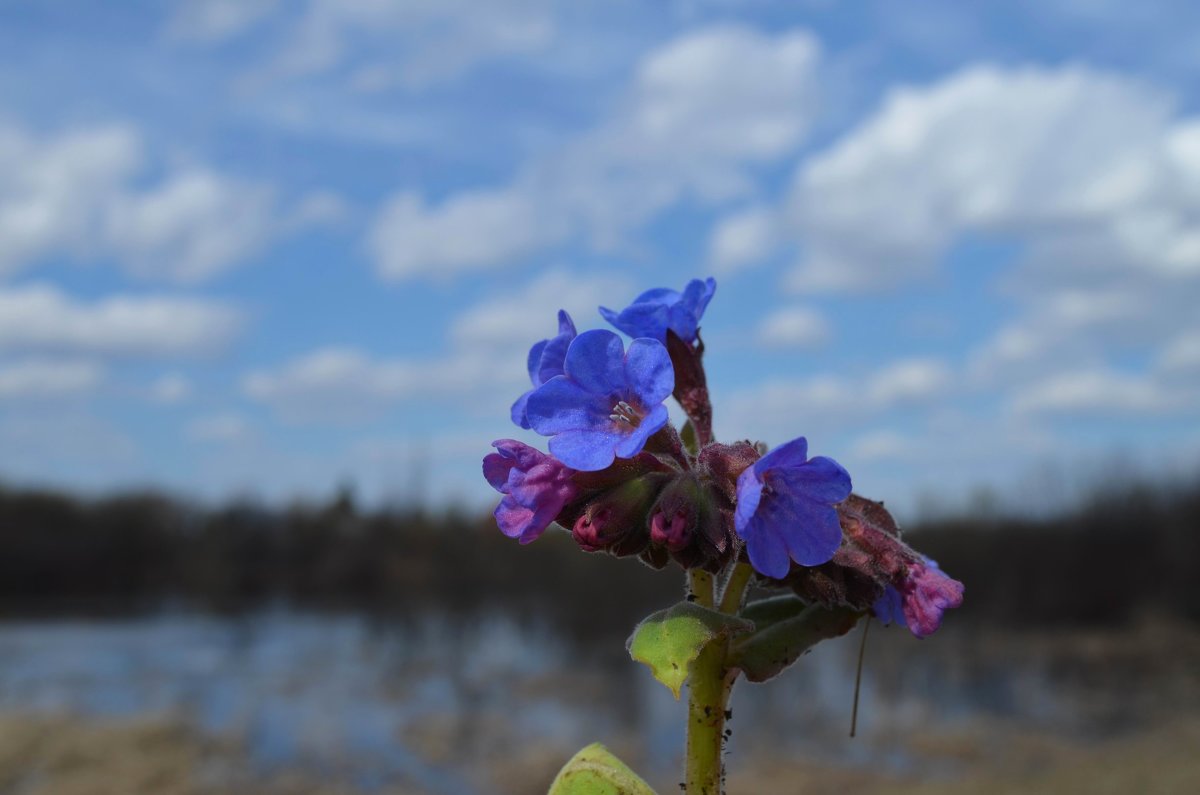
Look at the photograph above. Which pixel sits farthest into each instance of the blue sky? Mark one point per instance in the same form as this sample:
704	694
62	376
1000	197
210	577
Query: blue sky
265	247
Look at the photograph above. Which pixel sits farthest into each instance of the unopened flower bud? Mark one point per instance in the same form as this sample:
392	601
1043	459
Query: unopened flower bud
617	520
726	462
692	520
674	534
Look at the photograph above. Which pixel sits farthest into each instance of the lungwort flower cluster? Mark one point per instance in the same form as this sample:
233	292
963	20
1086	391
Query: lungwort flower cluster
624	480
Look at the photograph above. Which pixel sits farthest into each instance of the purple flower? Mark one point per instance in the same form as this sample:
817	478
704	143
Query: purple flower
535	488
607	402
655	311
545	362
785	508
919	598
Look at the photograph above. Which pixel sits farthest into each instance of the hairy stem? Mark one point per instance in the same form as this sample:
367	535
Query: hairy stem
708	696
735	588
700	587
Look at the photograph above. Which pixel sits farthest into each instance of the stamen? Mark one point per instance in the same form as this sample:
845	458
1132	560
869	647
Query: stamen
625	414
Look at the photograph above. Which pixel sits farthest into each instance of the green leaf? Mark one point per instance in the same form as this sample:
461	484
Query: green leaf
595	771
688	434
766	612
670	640
785	628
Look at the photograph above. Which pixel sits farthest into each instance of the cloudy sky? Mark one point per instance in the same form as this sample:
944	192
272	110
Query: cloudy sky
256	246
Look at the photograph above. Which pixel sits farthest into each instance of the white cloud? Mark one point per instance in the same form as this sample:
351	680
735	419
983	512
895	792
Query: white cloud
485	356
1181	354
833	402
219	428
1089	169
45	378
507	320
909	381
195	225
82	194
700	109
470	231
333	381
881	446
368	45
743	239
216	21
350	385
71	450
793	327
170	388
1099	392
52	189
40	317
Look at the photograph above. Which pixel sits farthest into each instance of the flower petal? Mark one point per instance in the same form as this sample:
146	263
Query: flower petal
566	326
585	450
820	478
554	356
512	519
595	361
517	412
649	372
635	440
495	470
562	405
646	320
658	295
749	493
791	454
534	362
810	529
767	552
609	315
888	607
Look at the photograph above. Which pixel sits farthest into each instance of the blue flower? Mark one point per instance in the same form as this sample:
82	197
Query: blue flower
785	508
607	402
655	311
545	362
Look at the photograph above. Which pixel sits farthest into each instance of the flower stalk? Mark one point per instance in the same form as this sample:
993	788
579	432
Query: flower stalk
709	686
735	588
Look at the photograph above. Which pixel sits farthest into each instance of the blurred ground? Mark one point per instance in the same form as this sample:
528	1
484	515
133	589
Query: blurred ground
991	760
42	755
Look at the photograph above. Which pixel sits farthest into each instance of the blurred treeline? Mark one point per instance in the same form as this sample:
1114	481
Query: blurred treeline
1126	552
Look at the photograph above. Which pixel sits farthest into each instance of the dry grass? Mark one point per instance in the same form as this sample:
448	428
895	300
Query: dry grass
64	756
983	761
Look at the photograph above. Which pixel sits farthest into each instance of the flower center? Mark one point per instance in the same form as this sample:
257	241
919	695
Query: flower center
625	415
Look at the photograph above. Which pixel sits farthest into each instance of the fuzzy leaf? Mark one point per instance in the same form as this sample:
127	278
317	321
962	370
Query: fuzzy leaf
595	771
766	612
786	629
670	640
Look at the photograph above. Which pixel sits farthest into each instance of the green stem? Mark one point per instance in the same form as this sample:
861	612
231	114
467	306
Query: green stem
735	588
709	684
700	586
708	696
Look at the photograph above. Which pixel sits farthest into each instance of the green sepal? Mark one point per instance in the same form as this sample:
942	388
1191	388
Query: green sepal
670	640
688	435
595	771
786	628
